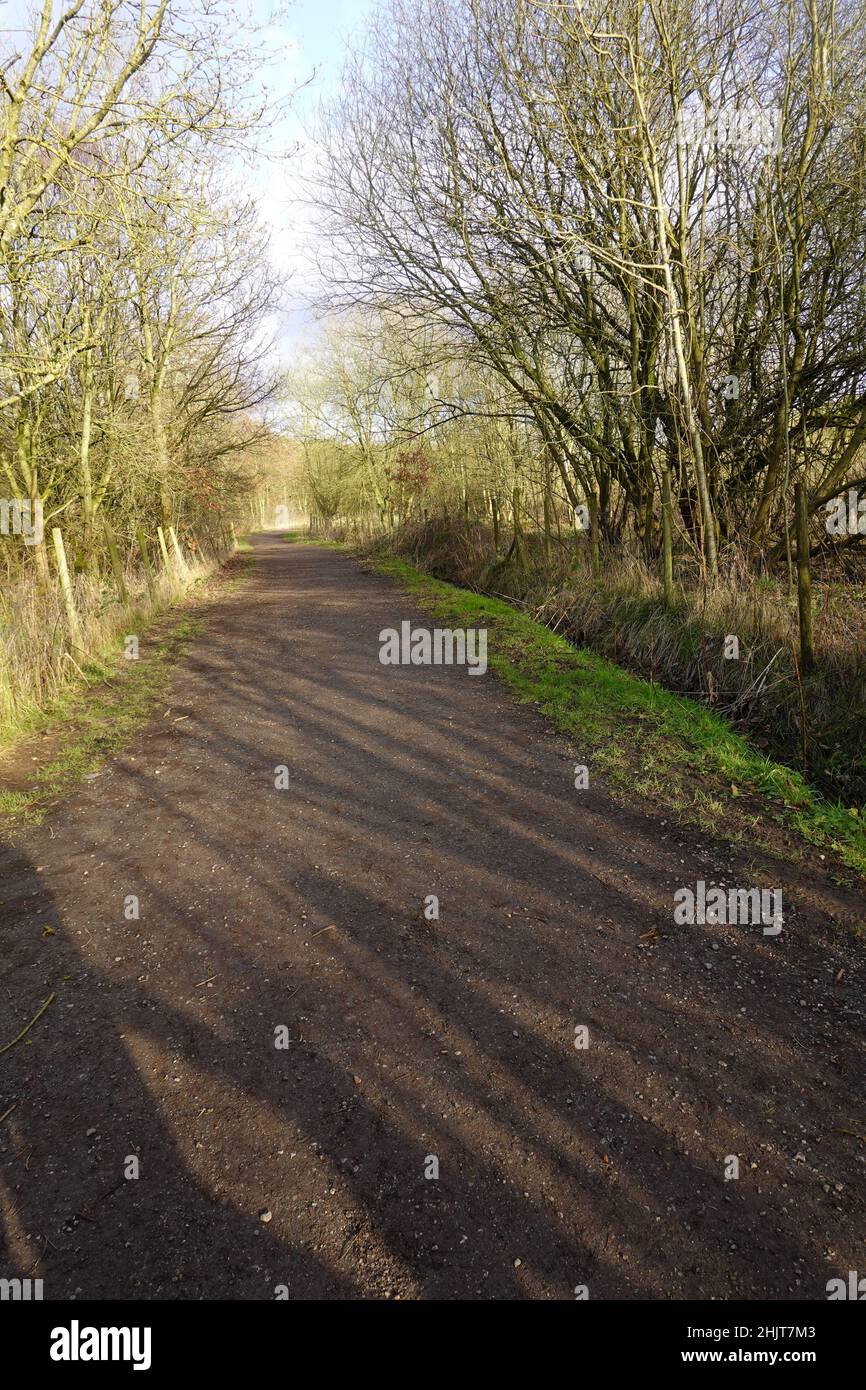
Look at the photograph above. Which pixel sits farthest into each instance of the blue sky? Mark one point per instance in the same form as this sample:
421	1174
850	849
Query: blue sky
307	39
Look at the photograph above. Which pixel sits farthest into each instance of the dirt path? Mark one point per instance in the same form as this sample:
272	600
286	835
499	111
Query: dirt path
408	1039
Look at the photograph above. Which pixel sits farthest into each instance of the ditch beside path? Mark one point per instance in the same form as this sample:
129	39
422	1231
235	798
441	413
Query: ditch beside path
408	1039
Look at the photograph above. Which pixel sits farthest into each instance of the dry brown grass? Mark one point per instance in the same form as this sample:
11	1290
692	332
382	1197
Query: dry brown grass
37	659
623	616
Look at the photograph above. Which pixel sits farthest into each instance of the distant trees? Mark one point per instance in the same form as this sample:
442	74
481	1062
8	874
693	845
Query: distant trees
644	222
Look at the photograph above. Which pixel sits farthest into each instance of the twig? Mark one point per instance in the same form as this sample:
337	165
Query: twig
71	658
34	1019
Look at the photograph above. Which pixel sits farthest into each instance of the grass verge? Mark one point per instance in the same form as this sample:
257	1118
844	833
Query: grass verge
98	716
294	537
664	746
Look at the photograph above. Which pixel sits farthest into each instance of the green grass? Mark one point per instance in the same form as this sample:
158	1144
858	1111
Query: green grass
113	699
99	717
294	536
664	746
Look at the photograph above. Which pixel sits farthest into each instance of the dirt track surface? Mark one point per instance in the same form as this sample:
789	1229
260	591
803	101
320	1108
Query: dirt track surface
408	1038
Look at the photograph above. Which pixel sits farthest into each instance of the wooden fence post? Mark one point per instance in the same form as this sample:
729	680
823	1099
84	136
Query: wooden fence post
804	579
594	547
115	564
66	586
548	520
178	554
145	558
160	535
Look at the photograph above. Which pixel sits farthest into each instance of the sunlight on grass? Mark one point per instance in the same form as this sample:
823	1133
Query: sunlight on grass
97	720
643	736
